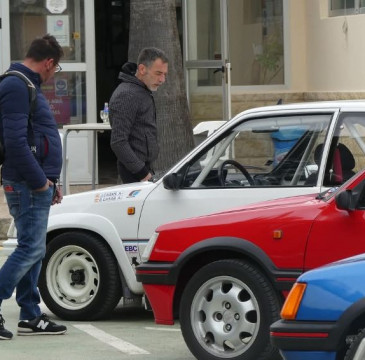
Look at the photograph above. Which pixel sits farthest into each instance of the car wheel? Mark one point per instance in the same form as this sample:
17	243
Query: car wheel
79	279
226	311
356	350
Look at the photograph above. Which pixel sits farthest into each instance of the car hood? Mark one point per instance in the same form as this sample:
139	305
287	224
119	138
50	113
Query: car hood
258	209
332	270
332	289
257	224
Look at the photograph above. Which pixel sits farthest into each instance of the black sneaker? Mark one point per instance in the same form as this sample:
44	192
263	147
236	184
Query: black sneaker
4	334
41	325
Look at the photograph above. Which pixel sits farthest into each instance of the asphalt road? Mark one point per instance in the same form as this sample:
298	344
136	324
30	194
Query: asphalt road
128	334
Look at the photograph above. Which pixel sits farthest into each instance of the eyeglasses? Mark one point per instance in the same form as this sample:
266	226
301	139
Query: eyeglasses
58	68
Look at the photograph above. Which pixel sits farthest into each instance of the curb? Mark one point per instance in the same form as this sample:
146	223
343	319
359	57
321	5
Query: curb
4	227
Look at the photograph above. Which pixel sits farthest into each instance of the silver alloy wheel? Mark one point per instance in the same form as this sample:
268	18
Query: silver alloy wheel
360	352
73	277
225	316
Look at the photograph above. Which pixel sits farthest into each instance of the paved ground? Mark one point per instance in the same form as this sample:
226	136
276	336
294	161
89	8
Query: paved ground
129	334
4	215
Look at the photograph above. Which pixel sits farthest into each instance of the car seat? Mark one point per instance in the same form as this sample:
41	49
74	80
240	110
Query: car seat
343	165
341	170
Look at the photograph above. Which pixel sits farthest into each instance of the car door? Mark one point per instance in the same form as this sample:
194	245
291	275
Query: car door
254	158
337	234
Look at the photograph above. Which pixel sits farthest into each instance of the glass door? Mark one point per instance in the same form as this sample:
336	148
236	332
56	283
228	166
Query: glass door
242	40
256	37
205	50
71	93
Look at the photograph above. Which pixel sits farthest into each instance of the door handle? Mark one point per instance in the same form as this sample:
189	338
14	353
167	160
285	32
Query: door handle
222	69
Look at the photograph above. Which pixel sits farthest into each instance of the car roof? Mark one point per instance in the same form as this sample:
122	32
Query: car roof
344	105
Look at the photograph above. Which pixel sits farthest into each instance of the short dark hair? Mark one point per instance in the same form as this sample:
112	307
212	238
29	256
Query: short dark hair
46	47
148	55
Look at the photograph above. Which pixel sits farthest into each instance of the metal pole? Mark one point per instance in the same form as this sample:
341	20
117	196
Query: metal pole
224	51
229	98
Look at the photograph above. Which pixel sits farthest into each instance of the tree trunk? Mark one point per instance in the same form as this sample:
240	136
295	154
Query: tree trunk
153	23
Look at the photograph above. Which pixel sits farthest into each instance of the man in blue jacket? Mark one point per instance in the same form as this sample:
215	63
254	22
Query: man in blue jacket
32	165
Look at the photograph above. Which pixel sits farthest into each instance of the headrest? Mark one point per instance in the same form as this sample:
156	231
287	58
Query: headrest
347	159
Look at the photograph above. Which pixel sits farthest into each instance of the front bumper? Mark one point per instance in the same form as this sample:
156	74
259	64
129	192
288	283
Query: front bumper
308	355
304	340
159	286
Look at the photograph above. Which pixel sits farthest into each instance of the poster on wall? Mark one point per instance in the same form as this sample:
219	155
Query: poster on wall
56	92
56	6
58	26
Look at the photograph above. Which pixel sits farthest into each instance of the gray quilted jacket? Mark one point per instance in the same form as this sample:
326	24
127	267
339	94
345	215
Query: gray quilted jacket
132	115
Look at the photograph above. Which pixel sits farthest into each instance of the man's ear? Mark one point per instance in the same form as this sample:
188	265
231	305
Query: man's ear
141	69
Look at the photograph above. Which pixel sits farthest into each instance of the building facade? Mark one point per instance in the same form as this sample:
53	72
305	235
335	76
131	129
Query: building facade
237	54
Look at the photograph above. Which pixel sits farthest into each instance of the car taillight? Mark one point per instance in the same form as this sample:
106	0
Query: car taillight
292	302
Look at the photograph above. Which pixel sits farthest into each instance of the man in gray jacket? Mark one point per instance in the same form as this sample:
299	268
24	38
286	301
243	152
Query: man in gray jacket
132	115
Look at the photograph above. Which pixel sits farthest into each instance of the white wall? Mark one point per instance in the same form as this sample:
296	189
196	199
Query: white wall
296	45
335	58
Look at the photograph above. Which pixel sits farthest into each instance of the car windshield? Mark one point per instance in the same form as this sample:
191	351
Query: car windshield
278	151
281	151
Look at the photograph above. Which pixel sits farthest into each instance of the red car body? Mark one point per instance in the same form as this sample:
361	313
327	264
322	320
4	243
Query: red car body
281	238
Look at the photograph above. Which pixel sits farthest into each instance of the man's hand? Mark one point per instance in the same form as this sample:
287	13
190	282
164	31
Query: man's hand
45	186
57	195
149	176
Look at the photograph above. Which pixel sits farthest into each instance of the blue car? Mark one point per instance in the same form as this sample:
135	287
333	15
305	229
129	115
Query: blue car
323	317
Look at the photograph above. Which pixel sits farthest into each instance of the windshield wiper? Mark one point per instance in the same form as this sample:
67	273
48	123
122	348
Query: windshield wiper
324	193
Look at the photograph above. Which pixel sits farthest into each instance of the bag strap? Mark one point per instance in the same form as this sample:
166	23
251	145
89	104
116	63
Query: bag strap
32	91
31	88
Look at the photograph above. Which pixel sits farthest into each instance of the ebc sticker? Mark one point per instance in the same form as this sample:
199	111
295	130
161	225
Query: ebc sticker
109	196
131	248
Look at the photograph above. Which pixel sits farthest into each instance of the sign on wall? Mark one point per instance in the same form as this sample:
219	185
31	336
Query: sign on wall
56	6
58	26
56	91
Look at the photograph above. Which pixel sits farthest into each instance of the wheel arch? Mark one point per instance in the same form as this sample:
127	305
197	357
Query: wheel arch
104	230
210	250
349	323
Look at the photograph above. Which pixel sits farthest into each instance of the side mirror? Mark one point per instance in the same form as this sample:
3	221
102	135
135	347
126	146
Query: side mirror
345	200
172	181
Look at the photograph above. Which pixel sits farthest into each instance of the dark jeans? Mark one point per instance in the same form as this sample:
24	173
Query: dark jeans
30	210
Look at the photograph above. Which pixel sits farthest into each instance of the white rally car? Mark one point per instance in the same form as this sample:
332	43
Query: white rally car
95	239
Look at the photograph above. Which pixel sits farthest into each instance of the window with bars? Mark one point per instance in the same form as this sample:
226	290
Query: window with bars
346	7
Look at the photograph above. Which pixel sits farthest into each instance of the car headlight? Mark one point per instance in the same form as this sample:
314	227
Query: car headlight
148	249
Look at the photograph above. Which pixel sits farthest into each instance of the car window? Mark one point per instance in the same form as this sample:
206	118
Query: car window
346	155
361	202
273	151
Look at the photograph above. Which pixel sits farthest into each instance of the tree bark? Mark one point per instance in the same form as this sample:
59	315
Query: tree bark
153	23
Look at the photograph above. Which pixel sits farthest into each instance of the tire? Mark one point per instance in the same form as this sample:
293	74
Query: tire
226	310
79	278
356	350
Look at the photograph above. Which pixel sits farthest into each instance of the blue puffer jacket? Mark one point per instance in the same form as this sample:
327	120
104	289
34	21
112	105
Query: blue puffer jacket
20	164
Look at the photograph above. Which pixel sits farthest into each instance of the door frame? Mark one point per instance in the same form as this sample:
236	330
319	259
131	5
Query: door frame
222	64
80	174
88	66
